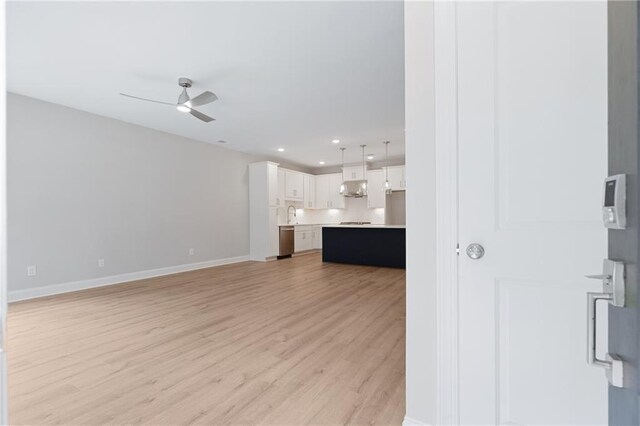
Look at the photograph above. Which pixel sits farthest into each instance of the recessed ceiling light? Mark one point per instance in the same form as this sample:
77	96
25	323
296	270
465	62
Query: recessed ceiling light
370	157
322	163
336	141
183	108
281	149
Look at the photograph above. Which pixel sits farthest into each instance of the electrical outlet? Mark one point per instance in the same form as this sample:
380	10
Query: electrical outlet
32	271
100	263
192	252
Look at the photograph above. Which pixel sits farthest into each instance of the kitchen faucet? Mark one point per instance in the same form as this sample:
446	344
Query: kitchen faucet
294	213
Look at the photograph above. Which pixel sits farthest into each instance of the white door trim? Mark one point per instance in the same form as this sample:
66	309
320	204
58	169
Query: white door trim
4	406
446	124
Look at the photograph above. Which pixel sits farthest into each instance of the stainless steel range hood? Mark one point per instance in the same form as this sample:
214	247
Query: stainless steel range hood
353	188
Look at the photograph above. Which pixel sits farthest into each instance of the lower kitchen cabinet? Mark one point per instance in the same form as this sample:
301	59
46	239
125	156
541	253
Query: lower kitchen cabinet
317	237
303	239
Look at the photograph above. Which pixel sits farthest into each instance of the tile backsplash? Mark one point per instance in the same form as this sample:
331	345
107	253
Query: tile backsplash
355	210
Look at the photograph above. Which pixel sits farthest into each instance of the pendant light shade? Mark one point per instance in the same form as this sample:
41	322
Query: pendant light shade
387	186
343	186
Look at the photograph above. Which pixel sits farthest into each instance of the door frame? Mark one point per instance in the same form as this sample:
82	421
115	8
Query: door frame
4	407
447	250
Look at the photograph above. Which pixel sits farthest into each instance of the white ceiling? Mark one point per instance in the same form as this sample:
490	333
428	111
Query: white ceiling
288	74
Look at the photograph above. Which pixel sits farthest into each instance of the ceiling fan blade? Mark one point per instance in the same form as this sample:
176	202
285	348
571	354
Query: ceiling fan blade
148	100
202	99
201	116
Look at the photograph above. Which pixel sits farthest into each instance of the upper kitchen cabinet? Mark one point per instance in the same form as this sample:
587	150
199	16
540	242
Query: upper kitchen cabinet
353	173
328	191
396	178
309	191
322	192
375	189
294	185
337	199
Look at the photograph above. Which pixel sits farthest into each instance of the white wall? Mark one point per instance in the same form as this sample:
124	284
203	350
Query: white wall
421	250
83	187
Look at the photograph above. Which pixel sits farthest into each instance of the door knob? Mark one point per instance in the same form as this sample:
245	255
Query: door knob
475	251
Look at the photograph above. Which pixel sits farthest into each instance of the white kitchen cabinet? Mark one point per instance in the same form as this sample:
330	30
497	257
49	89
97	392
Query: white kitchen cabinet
328	191
303	239
309	192
281	179
337	199
317	237
264	234
354	173
322	191
396	178
272	184
294	185
375	190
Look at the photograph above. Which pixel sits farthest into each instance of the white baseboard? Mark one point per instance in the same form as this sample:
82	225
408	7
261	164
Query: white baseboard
408	421
49	290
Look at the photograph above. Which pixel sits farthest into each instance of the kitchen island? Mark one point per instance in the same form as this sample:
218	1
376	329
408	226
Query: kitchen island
373	245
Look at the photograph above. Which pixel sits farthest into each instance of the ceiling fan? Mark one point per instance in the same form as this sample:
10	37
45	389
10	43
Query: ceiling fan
185	102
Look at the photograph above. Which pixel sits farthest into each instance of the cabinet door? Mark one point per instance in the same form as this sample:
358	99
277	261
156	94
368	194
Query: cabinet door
309	192
353	173
375	190
303	241
272	184
274	232
294	185
312	192
336	199
323	200
317	237
307	238
396	177
281	180
297	242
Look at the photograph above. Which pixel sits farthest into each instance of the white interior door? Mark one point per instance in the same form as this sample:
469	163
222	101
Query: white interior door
532	121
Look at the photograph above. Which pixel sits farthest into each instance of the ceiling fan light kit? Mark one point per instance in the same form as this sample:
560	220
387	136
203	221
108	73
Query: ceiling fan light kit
185	102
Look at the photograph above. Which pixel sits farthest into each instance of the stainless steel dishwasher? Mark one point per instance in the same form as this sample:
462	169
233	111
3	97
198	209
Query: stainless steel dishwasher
287	241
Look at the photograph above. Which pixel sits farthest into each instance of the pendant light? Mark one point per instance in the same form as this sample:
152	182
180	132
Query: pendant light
387	186
343	186
362	190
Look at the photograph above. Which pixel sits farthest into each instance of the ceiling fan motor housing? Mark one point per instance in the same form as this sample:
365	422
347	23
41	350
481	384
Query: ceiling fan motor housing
185	82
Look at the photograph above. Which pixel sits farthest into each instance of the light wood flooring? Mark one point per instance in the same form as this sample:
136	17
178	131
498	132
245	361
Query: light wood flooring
290	342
